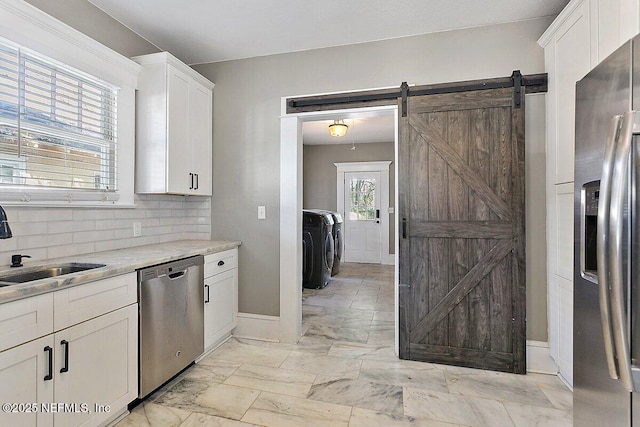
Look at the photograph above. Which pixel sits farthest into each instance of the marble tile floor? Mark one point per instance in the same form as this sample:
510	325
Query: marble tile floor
344	372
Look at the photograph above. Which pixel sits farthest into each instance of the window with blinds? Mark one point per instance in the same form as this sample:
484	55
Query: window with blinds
57	125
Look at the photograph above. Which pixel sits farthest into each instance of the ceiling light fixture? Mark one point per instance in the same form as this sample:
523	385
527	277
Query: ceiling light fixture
338	128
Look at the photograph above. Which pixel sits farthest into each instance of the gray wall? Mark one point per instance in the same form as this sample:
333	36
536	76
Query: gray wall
246	152
246	148
92	21
319	174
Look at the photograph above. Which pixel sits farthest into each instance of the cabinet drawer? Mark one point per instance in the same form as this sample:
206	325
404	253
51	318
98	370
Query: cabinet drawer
26	319
220	262
84	302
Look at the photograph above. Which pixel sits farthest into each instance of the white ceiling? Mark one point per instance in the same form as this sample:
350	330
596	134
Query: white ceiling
361	130
201	31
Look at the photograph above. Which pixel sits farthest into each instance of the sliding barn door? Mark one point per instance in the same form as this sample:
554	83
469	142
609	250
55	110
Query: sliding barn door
462	243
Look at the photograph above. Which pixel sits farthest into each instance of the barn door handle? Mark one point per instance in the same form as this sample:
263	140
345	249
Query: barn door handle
404	228
377	216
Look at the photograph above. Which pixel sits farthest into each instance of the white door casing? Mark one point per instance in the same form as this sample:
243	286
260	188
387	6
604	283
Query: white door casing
290	320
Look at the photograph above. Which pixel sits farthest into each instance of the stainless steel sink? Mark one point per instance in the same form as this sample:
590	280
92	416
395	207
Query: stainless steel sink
45	273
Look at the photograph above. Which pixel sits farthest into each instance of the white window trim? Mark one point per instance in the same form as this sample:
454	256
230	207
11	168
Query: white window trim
28	26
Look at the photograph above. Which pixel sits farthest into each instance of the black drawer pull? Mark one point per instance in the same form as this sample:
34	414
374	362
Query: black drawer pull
191	175
207	300
65	344
220	263
49	376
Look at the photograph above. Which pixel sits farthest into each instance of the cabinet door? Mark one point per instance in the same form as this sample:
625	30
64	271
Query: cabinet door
25	319
221	306
101	359
77	304
572	62
200	119
178	147
22	380
616	21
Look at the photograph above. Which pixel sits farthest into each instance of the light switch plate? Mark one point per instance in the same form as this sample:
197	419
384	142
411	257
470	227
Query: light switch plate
137	229
391	210
262	212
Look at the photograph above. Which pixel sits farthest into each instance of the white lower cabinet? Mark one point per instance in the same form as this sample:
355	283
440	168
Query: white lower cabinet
82	375
101	358
25	385
221	296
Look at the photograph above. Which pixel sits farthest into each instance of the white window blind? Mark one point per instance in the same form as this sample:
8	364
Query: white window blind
57	125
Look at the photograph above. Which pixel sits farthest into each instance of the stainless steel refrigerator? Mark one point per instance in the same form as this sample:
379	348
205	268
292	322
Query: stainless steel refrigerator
606	347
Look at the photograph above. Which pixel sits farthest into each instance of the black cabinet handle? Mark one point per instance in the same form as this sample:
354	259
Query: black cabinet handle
49	376
404	228
196	175
65	344
191	176
207	300
220	263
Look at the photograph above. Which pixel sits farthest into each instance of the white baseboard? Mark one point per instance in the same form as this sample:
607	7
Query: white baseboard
538	358
258	326
569	386
210	350
390	259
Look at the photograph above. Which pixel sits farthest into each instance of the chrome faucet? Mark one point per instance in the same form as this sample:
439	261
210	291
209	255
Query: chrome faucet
5	230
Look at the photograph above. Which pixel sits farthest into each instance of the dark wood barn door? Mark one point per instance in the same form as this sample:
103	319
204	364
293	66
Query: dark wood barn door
462	243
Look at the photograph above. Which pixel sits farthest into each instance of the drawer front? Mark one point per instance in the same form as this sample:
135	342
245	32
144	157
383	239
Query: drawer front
83	302
26	319
220	262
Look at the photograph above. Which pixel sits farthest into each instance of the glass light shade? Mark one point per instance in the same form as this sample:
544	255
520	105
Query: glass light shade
338	128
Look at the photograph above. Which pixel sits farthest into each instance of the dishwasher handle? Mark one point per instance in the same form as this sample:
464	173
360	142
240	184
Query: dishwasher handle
176	275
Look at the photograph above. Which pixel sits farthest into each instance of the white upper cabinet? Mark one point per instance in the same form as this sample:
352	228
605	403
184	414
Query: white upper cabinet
173	128
613	23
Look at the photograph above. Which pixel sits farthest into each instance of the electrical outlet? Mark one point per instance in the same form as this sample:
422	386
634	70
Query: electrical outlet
137	229
262	212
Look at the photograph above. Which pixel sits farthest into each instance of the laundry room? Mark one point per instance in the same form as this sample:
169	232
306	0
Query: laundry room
343	172
348	222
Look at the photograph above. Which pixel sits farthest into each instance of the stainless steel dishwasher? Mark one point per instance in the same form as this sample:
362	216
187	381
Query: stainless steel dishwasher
170	298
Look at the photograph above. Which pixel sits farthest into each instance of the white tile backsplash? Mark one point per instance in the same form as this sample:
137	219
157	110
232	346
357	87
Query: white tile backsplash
46	233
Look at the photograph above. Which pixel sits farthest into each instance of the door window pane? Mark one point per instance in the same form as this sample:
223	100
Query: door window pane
363	203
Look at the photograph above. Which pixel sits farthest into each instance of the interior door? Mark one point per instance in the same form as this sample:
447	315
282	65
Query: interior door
363	232
461	200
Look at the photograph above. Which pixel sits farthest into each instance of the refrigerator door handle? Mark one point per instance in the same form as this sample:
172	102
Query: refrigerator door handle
602	245
620	180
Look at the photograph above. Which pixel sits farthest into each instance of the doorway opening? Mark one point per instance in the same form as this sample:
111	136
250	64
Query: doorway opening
292	200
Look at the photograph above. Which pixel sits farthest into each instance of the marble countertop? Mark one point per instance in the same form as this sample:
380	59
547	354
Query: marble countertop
116	262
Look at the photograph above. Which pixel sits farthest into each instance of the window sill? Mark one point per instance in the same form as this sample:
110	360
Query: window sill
78	205
54	197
